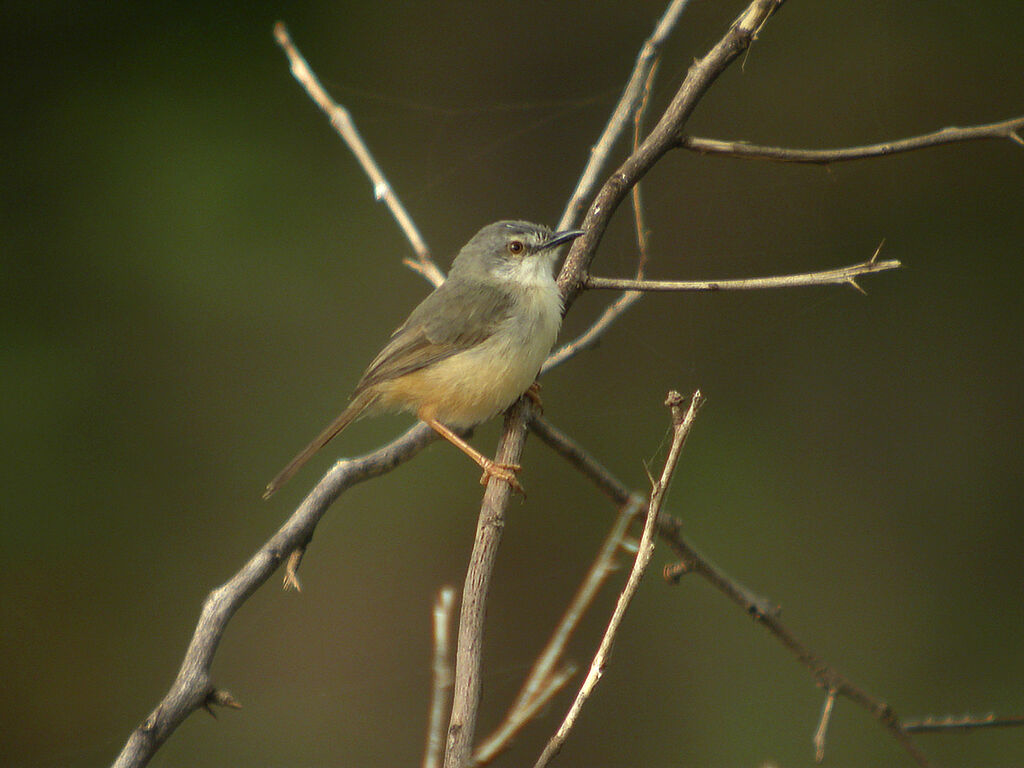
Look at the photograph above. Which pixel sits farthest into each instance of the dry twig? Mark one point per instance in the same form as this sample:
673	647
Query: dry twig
538	687
682	421
346	128
841	276
441	683
761	609
1004	129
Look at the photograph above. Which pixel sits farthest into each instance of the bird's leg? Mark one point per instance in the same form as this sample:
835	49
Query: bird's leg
533	392
491	468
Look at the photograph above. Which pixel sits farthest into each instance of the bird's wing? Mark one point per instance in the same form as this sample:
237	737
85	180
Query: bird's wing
453	318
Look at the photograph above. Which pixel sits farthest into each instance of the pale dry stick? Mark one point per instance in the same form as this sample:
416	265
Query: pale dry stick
960	723
193	687
822	729
841	276
469	650
1004	129
635	195
682	421
624	110
662	138
342	122
501	738
611	313
441	682
536	683
759	608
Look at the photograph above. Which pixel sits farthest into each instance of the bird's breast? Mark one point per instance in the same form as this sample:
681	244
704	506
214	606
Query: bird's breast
478	383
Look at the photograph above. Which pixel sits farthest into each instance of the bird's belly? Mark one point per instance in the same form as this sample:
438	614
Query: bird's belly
476	384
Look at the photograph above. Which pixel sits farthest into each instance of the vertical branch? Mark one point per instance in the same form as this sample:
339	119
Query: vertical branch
442	676
466	698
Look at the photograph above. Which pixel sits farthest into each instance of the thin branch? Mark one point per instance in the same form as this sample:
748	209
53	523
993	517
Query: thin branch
624	109
466	698
536	684
822	729
502	737
441	683
346	128
682	421
193	684
761	609
960	723
611	313
1005	129
841	276
590	337
662	138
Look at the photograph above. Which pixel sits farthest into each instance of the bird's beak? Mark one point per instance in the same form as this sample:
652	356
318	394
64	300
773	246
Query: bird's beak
561	237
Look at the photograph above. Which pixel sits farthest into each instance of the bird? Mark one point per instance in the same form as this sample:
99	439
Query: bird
470	349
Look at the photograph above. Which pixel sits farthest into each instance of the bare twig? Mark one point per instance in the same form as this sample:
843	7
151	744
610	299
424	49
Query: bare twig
441	683
346	128
193	684
841	276
516	719
681	423
822	729
662	138
624	109
960	723
536	684
466	698
761	609
1005	129
611	313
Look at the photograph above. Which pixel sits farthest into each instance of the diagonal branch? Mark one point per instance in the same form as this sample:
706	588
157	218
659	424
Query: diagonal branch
537	688
1005	129
762	610
632	96
342	122
682	421
193	687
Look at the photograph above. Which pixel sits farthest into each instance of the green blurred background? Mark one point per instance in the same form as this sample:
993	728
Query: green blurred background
195	274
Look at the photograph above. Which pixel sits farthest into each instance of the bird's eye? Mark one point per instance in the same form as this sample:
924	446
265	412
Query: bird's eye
516	247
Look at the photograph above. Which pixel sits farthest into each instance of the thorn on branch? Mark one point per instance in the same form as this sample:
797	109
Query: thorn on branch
856	286
218	697
291	570
822	729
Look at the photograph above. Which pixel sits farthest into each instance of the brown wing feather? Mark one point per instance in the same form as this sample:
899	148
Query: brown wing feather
450	320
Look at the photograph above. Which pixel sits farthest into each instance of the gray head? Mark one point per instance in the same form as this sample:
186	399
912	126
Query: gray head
511	250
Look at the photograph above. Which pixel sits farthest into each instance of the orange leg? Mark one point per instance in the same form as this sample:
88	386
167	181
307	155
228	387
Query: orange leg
491	468
533	392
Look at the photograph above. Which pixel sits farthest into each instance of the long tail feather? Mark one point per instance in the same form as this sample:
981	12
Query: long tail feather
351	413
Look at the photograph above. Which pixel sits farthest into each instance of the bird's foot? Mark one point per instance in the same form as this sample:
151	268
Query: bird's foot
506	472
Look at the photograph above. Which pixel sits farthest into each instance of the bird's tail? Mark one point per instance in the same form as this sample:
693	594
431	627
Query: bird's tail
354	410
